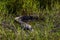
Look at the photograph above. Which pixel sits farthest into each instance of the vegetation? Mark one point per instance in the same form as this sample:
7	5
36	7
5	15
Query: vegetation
47	28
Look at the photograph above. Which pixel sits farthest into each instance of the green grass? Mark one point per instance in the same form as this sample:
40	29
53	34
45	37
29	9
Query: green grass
47	28
42	29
